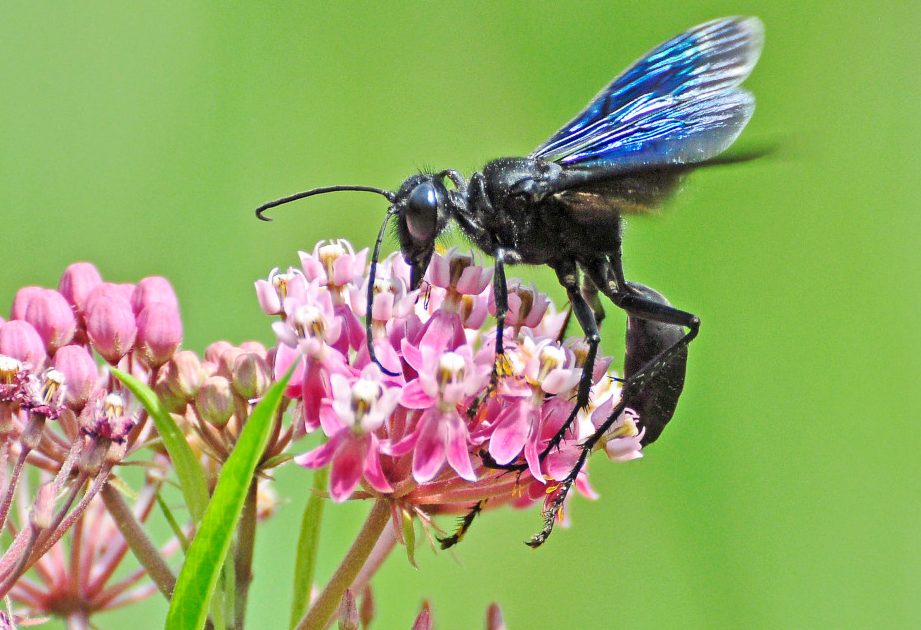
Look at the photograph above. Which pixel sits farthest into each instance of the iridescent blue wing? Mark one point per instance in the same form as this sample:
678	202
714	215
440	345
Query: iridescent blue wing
679	104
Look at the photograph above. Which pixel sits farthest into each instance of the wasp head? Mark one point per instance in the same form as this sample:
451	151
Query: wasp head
423	209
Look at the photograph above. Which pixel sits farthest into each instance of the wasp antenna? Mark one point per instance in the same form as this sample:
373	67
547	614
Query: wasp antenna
375	255
260	211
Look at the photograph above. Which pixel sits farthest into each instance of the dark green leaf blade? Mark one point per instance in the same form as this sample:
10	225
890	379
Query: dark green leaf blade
199	575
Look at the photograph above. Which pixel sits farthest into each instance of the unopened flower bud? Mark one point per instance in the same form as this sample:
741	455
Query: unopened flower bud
153	290
494	620
214	351
43	508
185	374
80	373
52	317
159	333
110	325
21	301
227	361
254	347
107	291
250	376
19	339
214	401
366	607
173	402
424	620
77	282
348	612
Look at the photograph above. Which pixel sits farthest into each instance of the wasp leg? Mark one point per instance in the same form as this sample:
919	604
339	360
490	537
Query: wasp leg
631	299
500	365
463	526
654	398
568	276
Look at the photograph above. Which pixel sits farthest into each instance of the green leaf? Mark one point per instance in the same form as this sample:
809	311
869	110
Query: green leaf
199	575
188	468
308	541
409	537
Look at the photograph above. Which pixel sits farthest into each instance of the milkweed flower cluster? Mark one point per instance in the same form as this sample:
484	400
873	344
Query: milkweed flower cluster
64	416
416	431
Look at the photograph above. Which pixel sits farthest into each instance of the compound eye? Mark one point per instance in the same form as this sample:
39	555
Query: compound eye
422	212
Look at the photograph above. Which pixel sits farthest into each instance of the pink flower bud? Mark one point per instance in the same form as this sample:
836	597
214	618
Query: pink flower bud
159	333
227	360
110	325
424	620
80	374
185	374
153	290
18	339
254	347
106	291
77	282
214	401
21	301
348	612
250	376
214	351
494	620
53	319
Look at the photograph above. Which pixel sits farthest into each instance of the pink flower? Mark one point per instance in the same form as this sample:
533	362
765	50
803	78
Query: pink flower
273	292
358	409
520	425
335	263
445	382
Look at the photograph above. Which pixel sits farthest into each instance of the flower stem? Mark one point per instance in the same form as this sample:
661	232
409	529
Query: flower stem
140	544
323	609
246	541
308	543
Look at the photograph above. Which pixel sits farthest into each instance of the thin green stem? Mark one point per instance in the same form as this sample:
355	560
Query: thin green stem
140	544
308	543
322	611
246	541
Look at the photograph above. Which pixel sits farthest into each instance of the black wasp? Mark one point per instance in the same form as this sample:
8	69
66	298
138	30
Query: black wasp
676	109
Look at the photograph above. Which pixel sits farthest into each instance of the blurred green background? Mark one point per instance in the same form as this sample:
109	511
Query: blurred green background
786	491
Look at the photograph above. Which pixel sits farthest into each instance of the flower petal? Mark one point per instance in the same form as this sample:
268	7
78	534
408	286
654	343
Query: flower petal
457	452
374	473
429	455
510	433
347	468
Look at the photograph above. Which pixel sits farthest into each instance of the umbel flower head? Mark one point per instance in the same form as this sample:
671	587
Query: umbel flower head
417	432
